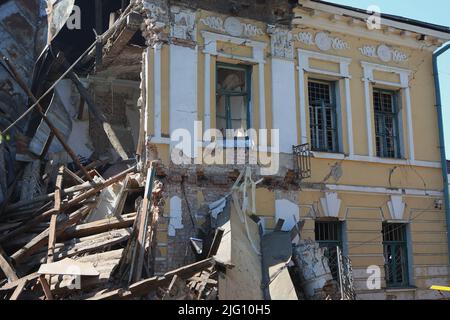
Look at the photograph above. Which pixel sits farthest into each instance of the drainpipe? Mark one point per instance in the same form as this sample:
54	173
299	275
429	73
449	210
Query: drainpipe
437	89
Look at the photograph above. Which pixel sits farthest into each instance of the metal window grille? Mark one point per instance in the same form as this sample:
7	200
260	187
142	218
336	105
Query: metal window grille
395	254
329	236
323	117
302	161
386	123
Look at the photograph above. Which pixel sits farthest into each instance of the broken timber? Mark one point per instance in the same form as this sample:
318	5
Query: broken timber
75	201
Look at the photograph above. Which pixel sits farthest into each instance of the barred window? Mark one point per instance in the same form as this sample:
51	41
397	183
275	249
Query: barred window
395	254
329	236
386	123
323	117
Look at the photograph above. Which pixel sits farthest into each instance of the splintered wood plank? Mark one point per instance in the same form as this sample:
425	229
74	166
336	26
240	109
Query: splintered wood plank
73	176
54	218
40	240
84	245
71	203
45	287
7	269
143	223
146	286
96	227
19	289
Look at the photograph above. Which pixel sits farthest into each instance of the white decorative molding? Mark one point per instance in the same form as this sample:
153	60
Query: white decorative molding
305	37
233	26
215	23
281	42
211	46
396	207
331	205
322	40
183	24
384	53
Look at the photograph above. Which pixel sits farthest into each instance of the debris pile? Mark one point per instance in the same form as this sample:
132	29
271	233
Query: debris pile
78	242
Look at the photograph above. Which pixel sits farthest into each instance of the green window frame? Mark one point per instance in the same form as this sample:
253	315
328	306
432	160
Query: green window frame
228	95
395	248
323	116
387	124
328	234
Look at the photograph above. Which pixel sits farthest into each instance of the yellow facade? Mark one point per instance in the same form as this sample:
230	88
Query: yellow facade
365	184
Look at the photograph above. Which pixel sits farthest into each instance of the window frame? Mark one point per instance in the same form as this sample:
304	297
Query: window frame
396	116
228	94
333	87
393	245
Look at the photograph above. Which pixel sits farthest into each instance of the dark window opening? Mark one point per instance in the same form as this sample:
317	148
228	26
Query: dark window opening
329	236
386	123
323	116
233	96
395	254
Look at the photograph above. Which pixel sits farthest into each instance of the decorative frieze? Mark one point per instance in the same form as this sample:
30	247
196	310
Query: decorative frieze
183	24
233	26
322	40
155	25
384	53
281	42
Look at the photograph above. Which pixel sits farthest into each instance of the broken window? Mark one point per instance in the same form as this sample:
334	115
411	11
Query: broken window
233	100
386	123
323	116
395	254
329	236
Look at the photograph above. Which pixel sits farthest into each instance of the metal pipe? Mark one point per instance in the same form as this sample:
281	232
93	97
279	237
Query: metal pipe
437	88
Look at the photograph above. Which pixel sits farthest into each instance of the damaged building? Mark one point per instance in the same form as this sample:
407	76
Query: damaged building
258	149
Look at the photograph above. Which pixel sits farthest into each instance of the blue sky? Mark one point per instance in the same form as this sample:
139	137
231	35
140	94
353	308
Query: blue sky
433	11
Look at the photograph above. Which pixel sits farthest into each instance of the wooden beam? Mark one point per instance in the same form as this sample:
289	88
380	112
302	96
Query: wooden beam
40	240
66	192
216	242
85	245
146	286
19	289
96	227
73	176
46	287
54	218
75	201
6	267
144	216
134	21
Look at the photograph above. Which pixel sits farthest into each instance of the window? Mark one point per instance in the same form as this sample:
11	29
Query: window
323	117
233	100
329	236
395	254
386	123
